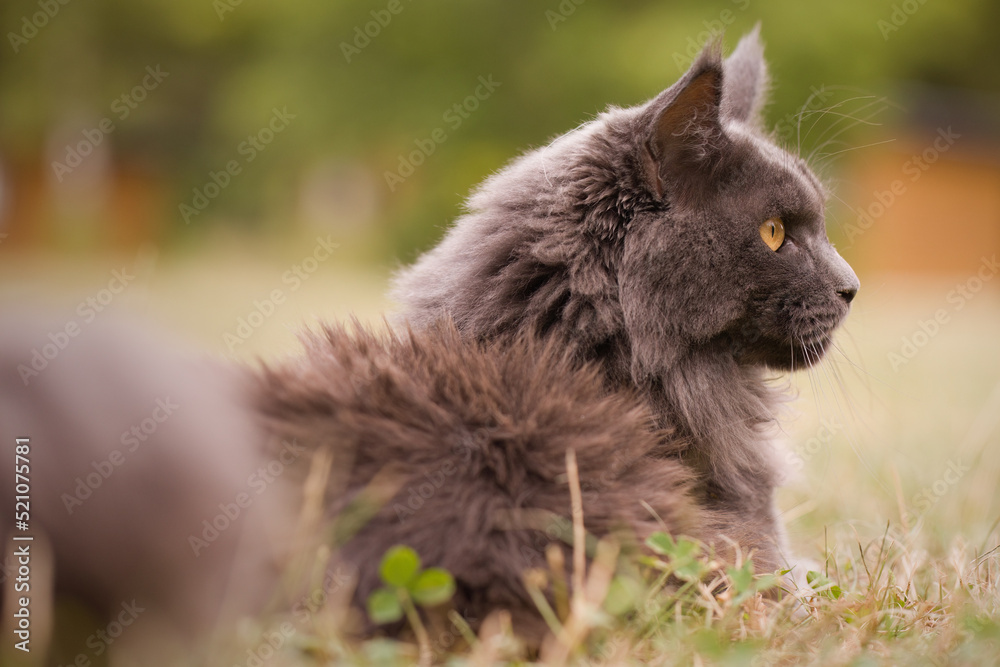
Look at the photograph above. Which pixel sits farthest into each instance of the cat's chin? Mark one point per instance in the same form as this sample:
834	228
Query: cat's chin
810	352
803	353
787	355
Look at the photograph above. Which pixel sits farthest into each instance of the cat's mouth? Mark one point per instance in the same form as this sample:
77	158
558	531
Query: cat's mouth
781	352
807	346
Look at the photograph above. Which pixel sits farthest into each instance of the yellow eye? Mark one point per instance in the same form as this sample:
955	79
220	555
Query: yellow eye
773	233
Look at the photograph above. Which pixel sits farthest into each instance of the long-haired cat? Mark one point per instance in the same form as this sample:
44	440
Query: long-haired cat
622	291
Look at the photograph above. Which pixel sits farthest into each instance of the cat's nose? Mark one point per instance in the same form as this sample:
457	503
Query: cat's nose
844	281
847	283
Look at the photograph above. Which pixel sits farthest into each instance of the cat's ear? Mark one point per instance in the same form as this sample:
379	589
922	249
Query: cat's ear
746	80
684	130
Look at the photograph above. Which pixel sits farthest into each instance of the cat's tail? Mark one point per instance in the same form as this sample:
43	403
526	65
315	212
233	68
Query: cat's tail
458	449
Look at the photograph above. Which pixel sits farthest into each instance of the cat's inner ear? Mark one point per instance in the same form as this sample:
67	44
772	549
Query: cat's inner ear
686	131
746	80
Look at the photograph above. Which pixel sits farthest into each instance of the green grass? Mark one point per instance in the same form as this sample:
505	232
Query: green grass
903	597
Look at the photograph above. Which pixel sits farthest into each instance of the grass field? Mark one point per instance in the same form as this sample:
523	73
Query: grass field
896	462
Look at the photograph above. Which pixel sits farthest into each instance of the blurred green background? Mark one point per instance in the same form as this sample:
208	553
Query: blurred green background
363	93
203	148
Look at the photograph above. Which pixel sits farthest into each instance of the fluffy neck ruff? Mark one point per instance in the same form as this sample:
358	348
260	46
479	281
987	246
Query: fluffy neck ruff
540	250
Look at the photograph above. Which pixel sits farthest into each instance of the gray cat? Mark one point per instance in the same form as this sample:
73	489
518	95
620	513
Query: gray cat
676	246
621	292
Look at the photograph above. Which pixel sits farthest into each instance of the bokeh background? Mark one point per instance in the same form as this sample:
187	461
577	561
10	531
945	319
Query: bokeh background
212	151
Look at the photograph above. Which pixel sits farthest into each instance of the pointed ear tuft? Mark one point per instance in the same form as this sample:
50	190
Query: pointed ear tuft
685	128
746	80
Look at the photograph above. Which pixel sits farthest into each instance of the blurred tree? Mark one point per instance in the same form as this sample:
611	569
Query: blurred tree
366	81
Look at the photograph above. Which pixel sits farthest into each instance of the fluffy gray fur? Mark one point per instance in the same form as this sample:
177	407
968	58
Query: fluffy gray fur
634	238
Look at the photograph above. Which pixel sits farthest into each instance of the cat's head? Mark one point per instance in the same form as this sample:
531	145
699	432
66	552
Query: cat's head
640	236
731	252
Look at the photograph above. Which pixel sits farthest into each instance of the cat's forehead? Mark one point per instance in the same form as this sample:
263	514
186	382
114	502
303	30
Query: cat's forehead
780	160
